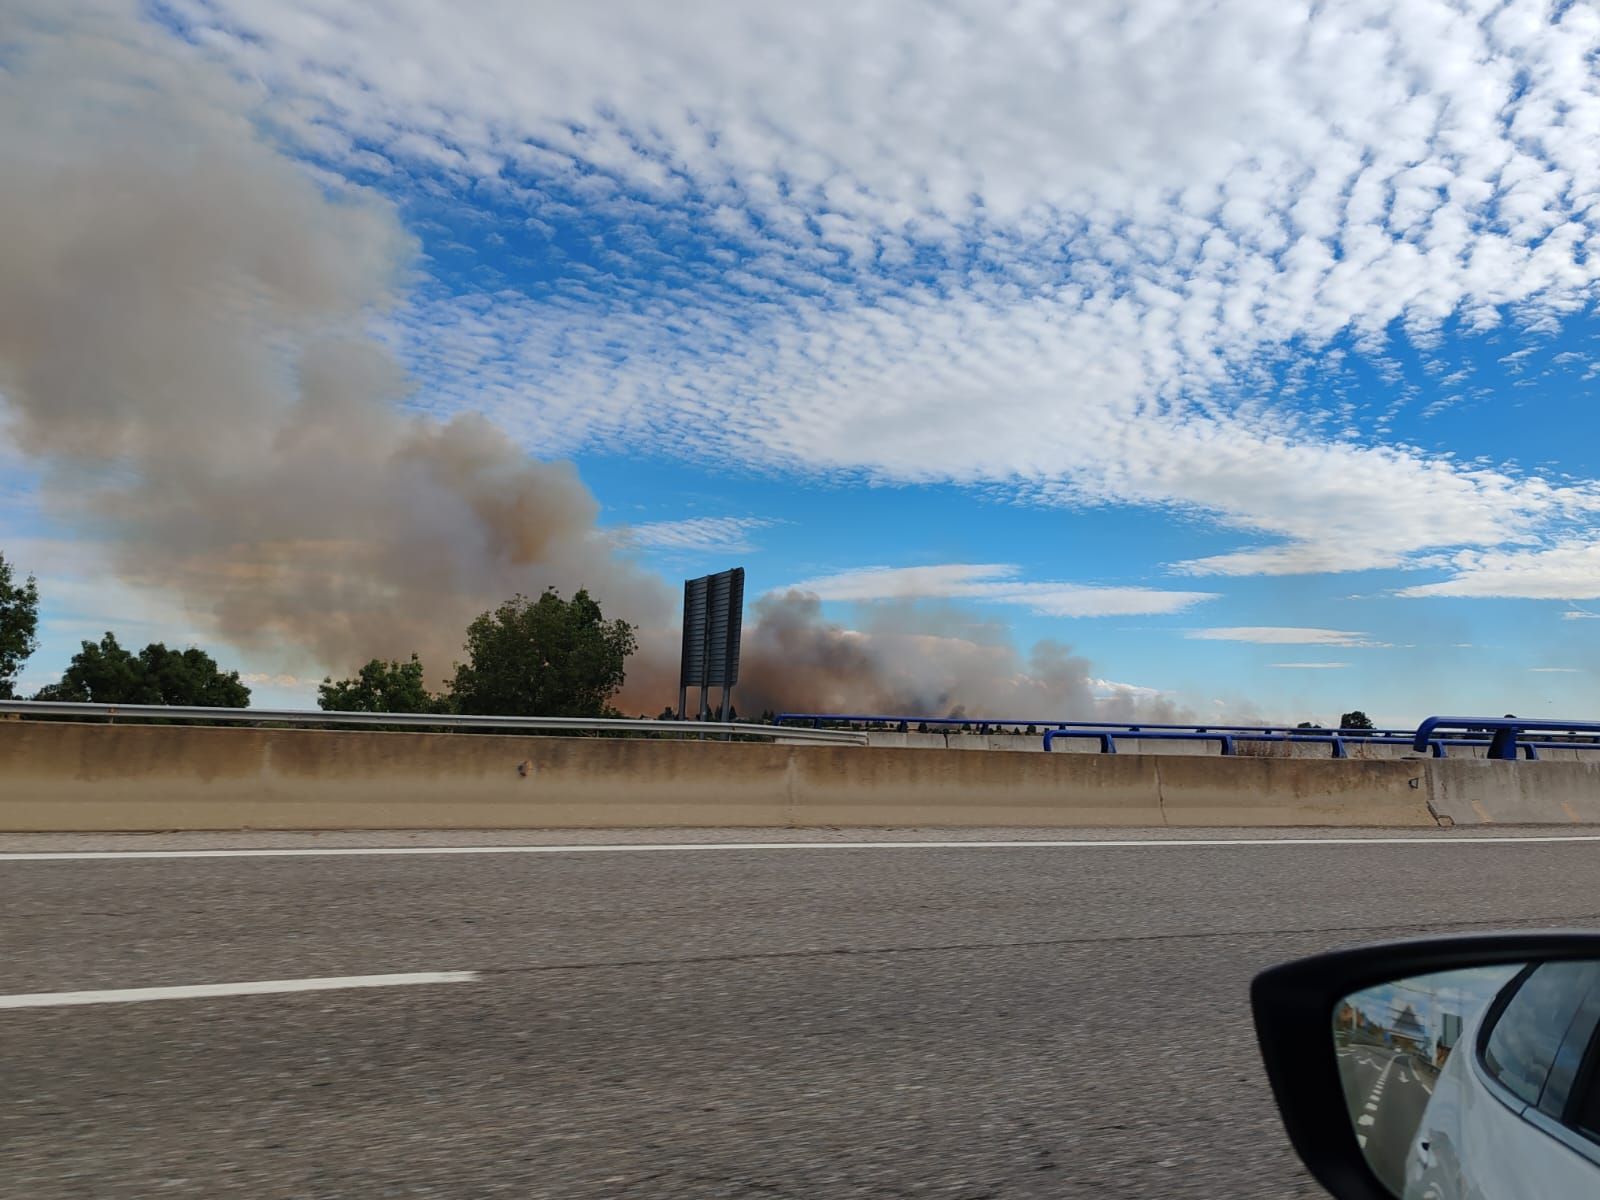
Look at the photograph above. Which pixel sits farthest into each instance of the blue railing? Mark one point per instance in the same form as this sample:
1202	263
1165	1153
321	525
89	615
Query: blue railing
985	724
1503	731
1498	736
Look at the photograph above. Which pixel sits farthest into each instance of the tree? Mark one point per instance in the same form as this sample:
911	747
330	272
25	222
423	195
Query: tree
19	622
1355	720
381	687
543	658
192	677
107	673
1305	725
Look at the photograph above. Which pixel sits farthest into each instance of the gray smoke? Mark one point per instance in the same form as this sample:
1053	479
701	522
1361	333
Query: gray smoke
183	347
185	351
920	660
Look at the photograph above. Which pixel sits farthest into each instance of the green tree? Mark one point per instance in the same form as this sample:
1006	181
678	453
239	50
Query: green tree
105	672
543	658
19	622
1355	720
381	686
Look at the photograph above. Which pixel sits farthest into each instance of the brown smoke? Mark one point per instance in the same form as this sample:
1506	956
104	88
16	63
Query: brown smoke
182	347
921	660
185	351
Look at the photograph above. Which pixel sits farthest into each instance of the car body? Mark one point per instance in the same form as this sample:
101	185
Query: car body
1513	1112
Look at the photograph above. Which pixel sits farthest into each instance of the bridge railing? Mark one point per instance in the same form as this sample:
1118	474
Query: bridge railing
297	716
1504	733
1500	737
987	724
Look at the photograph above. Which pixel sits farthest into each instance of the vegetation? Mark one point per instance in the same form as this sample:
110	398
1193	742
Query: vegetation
543	658
1355	720
105	672
19	623
388	687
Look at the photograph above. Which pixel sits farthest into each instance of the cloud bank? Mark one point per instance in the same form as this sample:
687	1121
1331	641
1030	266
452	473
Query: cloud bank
1066	251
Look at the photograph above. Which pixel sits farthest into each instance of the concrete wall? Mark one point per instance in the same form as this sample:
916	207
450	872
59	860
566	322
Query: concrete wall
1484	792
65	776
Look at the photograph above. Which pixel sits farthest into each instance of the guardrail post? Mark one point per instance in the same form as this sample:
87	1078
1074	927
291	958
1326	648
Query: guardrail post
1504	744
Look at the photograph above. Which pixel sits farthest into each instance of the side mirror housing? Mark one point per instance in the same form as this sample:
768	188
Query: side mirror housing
1356	1044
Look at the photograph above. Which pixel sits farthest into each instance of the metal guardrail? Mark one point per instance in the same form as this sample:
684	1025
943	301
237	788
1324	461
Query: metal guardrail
1499	736
298	716
1120	728
1503	743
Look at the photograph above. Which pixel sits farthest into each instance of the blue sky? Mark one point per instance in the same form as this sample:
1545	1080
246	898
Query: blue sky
1249	352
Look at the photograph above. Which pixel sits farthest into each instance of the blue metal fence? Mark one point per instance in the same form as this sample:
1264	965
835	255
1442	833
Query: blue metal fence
1498	736
1503	733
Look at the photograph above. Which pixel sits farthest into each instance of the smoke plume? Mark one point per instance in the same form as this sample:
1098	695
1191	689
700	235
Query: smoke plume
186	353
920	660
182	346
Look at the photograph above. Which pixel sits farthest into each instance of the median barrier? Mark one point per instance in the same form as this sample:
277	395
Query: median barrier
63	776
71	777
1480	791
842	786
1246	790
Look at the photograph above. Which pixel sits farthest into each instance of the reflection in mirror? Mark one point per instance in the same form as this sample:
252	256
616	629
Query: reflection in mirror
1395	1044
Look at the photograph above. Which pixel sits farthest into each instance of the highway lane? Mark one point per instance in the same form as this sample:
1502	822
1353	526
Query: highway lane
1387	1095
1029	1021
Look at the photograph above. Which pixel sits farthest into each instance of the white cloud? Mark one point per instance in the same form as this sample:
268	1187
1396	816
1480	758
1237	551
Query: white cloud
1554	670
997	583
1569	571
1055	247
1578	614
1311	666
693	535
1282	635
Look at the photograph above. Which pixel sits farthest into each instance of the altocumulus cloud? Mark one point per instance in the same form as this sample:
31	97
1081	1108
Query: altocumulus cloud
997	583
1049	247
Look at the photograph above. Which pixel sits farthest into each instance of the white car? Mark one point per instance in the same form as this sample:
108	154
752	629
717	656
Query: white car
1515	1113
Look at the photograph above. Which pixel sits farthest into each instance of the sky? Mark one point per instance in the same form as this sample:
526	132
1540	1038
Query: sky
1242	354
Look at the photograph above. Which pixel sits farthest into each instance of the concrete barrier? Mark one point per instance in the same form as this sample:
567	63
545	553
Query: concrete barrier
1294	791
92	777
1479	791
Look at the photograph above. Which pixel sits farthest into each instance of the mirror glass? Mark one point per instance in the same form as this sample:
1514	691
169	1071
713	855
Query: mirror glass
1393	1043
1460	1084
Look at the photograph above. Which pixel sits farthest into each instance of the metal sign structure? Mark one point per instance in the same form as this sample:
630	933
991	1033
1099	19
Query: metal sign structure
713	618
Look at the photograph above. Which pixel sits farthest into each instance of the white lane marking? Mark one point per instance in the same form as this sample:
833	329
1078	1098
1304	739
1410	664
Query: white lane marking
263	987
1366	1119
1361	1140
690	847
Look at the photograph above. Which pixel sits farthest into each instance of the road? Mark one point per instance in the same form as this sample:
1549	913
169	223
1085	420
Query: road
794	1021
1387	1094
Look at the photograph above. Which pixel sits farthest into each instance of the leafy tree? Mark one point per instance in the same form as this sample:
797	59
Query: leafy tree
191	676
19	622
548	657
381	687
1355	720
107	673
1305	725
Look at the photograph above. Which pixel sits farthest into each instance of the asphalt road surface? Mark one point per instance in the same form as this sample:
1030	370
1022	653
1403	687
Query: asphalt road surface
1388	1094
1019	1021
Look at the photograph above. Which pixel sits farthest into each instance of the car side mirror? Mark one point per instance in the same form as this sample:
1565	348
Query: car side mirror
1426	1068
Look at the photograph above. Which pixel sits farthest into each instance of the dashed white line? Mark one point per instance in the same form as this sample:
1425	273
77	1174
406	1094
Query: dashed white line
701	847
262	987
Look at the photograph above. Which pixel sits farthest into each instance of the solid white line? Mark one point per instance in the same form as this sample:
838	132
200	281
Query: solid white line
264	987
691	847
